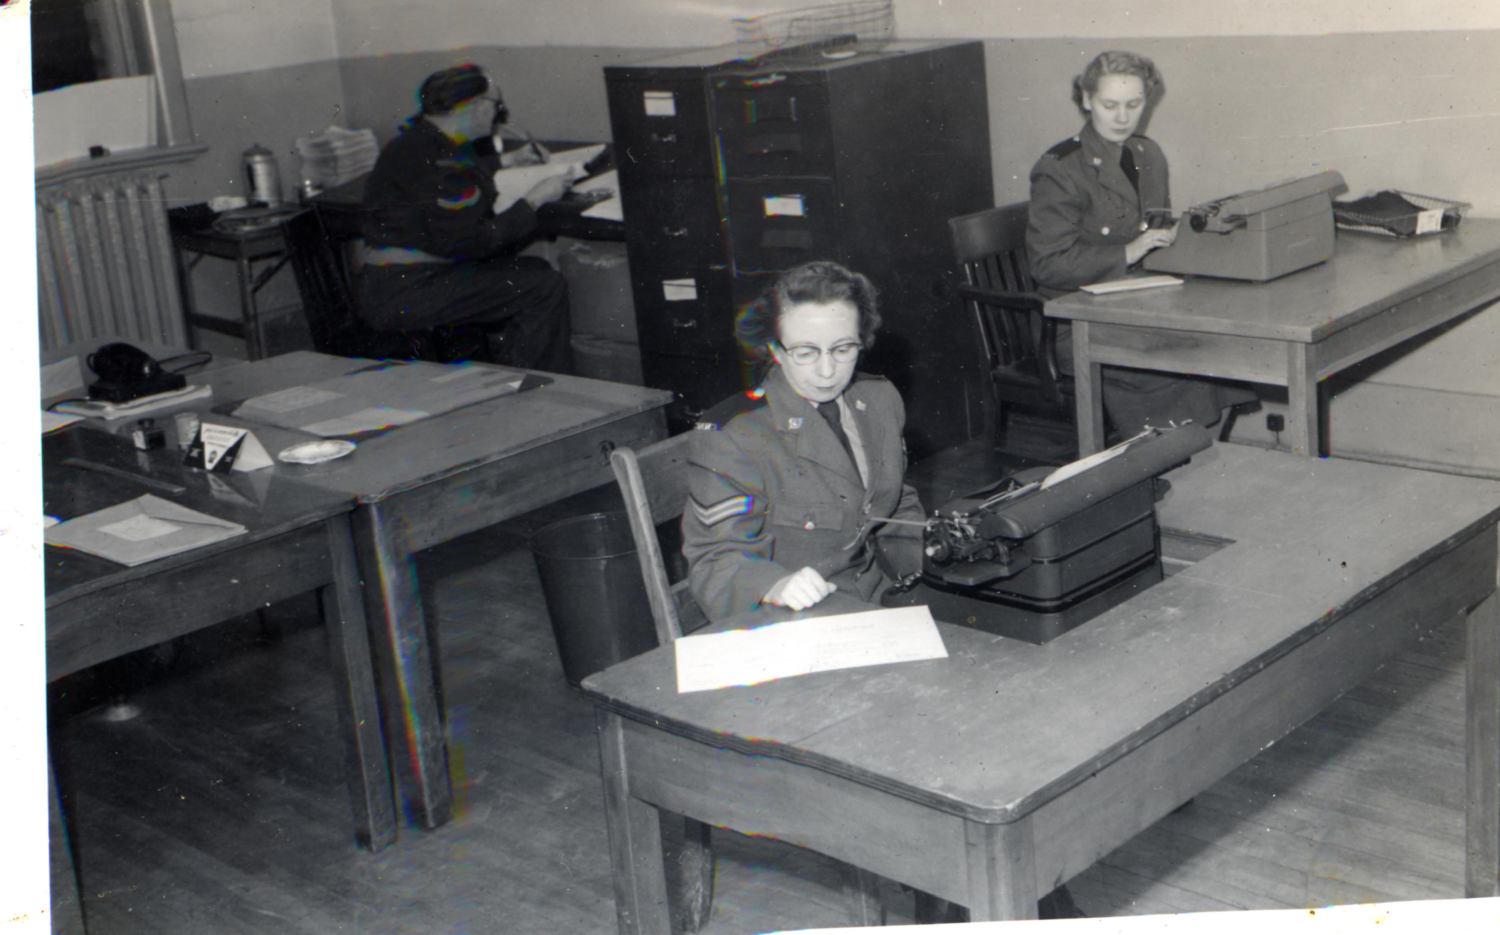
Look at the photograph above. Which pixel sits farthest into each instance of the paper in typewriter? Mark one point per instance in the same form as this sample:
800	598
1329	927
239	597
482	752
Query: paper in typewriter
800	647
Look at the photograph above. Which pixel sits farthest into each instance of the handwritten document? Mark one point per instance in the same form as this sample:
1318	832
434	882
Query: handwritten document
799	647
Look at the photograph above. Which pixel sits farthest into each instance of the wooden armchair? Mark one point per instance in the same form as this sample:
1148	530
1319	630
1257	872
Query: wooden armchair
1018	342
329	305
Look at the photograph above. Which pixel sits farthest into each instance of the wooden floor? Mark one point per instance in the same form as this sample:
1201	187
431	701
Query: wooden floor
220	807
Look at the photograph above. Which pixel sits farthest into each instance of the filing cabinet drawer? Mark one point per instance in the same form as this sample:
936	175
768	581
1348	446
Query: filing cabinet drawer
772	124
660	127
674	221
778	223
684	311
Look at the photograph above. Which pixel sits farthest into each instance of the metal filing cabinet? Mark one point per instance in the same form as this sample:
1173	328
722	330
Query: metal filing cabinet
731	170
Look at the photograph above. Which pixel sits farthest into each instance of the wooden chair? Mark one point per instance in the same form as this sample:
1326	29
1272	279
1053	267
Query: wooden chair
654	485
328	302
1018	342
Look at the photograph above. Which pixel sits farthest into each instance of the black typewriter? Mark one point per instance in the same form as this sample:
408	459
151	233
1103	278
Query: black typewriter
1045	550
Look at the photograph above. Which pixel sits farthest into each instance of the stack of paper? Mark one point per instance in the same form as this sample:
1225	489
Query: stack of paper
141	530
336	155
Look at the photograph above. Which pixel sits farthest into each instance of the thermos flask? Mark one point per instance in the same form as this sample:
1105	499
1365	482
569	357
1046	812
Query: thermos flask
263	175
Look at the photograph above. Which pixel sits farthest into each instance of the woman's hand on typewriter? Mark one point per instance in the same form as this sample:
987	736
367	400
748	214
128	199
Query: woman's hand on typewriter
799	590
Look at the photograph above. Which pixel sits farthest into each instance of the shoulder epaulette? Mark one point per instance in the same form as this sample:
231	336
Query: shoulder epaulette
861	377
725	411
1070	145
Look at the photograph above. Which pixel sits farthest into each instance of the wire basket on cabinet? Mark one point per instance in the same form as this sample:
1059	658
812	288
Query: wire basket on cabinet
870	23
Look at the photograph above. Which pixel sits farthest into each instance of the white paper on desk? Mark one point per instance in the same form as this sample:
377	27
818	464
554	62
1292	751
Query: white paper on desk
579	156
512	184
798	647
293	398
1130	284
603	182
371	419
610	209
141	530
52	421
100	409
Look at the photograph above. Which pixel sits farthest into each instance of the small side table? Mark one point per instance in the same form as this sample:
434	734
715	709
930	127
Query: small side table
258	253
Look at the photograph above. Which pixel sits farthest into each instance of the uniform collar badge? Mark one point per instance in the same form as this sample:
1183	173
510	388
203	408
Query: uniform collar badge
859	404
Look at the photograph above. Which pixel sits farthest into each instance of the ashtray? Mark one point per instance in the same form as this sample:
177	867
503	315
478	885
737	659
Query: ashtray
326	449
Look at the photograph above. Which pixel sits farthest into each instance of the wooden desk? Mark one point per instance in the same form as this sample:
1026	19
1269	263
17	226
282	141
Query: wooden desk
991	776
435	480
1295	331
297	540
195	237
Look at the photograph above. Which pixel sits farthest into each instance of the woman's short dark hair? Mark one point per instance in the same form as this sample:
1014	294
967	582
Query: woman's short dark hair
1119	63
446	89
821	281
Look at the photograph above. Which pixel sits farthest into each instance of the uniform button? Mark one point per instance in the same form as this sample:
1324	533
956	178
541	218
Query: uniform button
1104	231
809	526
1145	226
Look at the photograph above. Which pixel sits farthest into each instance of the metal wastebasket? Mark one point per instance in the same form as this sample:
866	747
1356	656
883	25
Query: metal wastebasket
591	580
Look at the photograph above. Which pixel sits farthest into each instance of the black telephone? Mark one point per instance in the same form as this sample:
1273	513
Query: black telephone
126	372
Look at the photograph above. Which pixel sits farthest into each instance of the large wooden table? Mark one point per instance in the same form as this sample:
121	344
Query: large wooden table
297	540
1295	331
430	482
989	777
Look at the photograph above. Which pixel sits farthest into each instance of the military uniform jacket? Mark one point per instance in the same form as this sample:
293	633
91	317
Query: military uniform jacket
430	193
772	490
1084	210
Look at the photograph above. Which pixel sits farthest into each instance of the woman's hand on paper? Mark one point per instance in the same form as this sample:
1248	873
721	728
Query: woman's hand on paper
1137	249
799	590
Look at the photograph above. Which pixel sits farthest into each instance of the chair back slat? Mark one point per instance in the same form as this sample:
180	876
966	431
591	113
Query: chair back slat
654	485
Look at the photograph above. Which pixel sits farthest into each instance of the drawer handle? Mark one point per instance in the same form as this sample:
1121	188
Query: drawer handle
684	324
675	231
667	138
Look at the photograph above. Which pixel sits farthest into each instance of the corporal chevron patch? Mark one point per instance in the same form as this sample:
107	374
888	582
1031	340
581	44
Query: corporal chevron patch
717	513
465	199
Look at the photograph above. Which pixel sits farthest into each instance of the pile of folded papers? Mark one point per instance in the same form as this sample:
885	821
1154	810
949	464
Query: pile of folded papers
333	156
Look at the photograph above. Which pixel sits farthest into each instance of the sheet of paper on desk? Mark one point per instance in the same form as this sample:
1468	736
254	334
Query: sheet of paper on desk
603	182
512	184
1130	284
52	421
799	647
610	209
141	530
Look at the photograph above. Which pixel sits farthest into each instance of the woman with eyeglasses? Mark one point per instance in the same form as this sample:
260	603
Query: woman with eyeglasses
787	478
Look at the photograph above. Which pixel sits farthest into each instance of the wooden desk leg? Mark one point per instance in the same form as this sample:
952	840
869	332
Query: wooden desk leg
1482	748
67	894
1088	389
368	766
1303	425
410	694
249	314
1002	871
634	840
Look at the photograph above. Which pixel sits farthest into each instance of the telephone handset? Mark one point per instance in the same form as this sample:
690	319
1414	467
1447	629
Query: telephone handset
126	372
